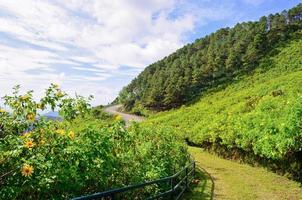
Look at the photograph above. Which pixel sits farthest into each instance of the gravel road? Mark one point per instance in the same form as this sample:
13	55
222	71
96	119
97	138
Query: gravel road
127	117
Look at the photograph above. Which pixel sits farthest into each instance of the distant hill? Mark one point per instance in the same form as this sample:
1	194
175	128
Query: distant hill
52	115
219	58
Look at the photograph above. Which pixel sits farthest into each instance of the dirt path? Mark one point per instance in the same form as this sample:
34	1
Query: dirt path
235	181
127	117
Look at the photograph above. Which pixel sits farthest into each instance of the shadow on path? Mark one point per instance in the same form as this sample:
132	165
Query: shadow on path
204	190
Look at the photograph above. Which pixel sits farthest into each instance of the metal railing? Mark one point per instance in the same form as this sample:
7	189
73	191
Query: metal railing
177	185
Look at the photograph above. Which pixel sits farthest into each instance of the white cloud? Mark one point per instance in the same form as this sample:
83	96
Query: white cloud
94	38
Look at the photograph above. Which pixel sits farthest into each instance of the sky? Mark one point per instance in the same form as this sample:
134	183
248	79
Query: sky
96	47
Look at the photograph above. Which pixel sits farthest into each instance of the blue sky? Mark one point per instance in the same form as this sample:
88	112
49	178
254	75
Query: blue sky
97	47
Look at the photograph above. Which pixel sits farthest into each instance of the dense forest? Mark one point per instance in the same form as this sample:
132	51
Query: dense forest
215	59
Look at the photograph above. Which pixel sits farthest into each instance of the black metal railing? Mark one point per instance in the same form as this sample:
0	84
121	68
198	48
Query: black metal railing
177	184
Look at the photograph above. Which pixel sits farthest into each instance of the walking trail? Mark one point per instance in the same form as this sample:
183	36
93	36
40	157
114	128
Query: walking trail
223	179
127	117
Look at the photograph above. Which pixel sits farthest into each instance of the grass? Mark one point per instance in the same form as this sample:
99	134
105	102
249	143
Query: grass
232	180
204	189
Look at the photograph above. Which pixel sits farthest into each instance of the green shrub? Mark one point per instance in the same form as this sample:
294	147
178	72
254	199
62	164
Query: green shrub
48	159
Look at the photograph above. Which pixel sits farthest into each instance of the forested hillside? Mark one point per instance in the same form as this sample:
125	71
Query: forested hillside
219	58
258	118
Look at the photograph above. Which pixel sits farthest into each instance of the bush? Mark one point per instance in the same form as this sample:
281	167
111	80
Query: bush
48	159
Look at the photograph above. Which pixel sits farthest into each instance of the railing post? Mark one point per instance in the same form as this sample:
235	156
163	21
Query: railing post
194	168
187	178
172	188
112	197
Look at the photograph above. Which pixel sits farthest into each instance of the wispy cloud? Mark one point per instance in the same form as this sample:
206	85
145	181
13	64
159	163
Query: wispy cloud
85	44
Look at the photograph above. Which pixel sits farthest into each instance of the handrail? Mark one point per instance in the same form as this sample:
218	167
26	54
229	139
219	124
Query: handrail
173	191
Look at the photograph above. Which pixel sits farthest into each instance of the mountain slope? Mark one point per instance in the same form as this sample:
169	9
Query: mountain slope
215	59
258	117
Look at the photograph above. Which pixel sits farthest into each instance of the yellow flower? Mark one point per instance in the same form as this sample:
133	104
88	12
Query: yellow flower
56	86
27	170
40	106
60	131
71	135
59	94
3	111
118	118
29	144
30	117
25	97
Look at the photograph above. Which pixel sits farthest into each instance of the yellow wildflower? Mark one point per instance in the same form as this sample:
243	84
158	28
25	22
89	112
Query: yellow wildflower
56	86
40	106
27	170
25	97
29	144
3	111
31	117
59	94
118	118
60	131
71	135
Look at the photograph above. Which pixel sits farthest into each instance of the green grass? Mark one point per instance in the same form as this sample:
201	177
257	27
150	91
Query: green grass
204	190
236	181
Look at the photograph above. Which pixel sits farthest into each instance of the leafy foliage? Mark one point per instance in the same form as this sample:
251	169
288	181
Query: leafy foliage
86	152
260	114
215	59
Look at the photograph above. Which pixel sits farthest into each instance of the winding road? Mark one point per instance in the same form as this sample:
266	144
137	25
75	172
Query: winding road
127	117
